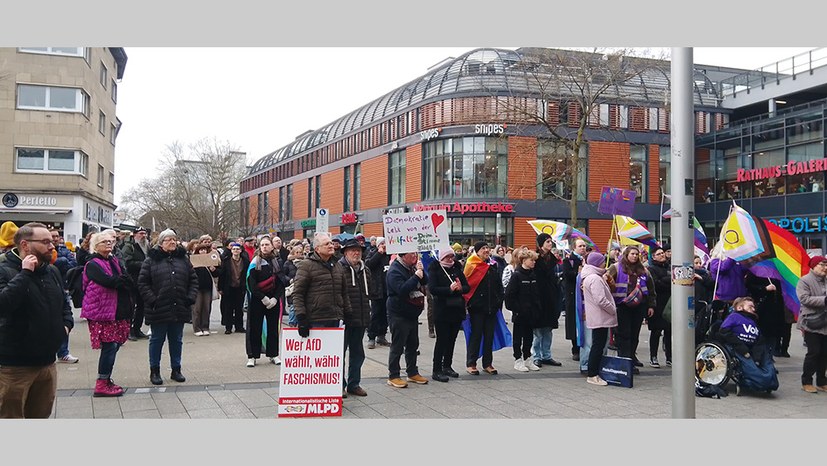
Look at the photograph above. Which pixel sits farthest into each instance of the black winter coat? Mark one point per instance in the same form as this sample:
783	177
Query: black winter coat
357	284
704	286
769	305
401	281
224	278
549	284
134	257
662	277
34	309
378	264
449	306
205	277
259	279
168	286
522	296
488	297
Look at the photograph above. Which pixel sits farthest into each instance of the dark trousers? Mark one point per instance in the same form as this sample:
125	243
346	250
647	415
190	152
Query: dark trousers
255	323
783	341
430	313
355	350
27	392
482	331
815	362
138	313
446	339
522	340
378	319
599	338
404	339
232	308
571	324
629	322
106	361
654	342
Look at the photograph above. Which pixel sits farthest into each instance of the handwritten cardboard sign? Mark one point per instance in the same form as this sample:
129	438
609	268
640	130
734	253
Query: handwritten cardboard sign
205	260
416	231
310	382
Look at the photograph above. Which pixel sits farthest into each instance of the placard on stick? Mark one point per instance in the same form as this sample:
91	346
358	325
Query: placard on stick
416	231
310	382
616	201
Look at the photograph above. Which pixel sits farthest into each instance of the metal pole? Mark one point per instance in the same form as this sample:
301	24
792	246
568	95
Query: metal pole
682	223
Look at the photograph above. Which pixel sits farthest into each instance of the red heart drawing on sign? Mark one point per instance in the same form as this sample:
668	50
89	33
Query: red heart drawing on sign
437	219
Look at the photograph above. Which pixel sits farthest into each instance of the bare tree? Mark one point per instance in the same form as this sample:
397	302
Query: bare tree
196	190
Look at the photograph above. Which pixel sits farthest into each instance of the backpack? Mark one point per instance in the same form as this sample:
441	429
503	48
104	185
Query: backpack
74	284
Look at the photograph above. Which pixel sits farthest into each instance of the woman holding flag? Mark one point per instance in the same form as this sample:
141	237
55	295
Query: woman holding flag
484	299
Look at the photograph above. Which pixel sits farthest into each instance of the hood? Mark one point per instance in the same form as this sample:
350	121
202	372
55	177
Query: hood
592	270
157	254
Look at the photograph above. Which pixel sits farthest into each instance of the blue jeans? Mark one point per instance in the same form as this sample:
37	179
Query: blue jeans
356	356
587	346
541	349
64	347
291	315
160	332
758	376
106	361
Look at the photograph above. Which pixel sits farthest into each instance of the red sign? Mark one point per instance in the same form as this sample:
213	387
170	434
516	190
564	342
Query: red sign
467	207
792	168
350	218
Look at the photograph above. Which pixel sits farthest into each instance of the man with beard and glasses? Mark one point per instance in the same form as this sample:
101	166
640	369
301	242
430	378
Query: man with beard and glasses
35	317
134	253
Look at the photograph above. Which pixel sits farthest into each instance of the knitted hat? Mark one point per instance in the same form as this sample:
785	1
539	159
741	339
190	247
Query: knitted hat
542	238
165	234
7	231
666	247
479	245
817	260
380	240
457	247
445	253
596	259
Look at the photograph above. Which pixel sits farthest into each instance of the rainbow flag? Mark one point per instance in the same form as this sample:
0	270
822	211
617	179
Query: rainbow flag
629	228
474	271
790	263
561	233
745	237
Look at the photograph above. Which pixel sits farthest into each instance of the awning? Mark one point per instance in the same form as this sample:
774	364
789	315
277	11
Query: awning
35	211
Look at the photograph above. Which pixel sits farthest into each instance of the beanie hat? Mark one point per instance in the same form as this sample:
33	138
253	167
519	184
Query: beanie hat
596	259
817	260
541	239
666	247
445	253
380	240
165	234
7	231
457	247
479	245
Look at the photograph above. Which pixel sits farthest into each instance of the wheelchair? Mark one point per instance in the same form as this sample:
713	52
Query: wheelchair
714	364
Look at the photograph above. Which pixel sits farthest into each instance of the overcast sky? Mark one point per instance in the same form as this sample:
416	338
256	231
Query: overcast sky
260	99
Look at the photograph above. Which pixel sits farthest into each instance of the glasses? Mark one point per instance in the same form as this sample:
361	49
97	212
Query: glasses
107	241
168	240
44	242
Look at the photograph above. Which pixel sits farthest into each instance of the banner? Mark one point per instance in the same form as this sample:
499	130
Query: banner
310	383
416	231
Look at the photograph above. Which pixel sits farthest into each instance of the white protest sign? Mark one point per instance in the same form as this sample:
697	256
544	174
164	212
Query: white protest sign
416	231
322	220
310	383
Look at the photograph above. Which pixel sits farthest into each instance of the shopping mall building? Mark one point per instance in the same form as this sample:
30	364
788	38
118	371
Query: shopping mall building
478	137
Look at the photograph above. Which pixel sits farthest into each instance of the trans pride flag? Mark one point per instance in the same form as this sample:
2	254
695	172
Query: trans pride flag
629	228
745	238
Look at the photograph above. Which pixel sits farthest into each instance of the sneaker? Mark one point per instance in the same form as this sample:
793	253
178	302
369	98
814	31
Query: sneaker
382	342
519	365
596	380
450	372
809	388
251	362
371	344
276	360
554	362
206	333
416	378
654	363
529	364
398	383
141	335
199	334
669	362
68	359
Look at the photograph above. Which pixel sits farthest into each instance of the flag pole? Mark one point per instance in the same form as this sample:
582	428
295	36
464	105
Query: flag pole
660	220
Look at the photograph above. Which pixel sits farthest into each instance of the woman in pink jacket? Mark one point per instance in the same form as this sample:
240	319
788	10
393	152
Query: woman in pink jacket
601	313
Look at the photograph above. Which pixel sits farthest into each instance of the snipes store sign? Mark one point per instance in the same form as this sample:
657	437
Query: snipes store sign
468	207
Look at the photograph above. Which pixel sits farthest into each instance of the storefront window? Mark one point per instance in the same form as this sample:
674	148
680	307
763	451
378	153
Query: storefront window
554	171
397	178
806	182
638	159
805	128
664	167
471	167
768	186
468	230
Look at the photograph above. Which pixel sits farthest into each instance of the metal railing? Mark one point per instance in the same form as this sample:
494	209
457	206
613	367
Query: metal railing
773	73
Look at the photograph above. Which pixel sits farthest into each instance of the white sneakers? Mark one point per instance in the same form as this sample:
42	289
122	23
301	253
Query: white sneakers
251	362
596	380
519	365
68	359
276	360
205	333
529	364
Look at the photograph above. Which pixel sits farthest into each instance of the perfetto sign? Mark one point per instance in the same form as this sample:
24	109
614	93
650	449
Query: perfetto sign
466	207
310	383
792	168
416	231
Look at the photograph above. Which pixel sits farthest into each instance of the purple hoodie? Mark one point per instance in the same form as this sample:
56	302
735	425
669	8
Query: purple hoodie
731	281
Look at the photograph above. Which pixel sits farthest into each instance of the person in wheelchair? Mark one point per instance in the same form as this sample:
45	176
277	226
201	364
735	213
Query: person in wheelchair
740	334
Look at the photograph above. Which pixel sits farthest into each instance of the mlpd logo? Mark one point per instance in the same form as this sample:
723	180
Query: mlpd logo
10	200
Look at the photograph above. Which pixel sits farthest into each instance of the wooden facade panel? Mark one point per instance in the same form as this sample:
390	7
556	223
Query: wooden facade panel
522	167
333	191
600	231
299	200
654	174
373	229
524	235
413	173
608	166
374	183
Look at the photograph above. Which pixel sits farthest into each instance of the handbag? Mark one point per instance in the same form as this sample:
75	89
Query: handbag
816	321
633	299
617	371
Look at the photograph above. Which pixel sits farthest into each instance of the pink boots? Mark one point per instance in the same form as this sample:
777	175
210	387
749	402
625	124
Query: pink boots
105	387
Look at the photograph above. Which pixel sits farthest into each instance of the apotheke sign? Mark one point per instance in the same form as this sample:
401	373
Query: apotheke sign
792	168
468	207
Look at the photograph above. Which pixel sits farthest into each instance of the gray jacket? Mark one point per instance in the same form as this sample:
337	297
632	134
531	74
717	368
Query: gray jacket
812	292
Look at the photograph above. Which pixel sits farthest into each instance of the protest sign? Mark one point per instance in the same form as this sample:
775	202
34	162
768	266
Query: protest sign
205	260
310	383
616	201
416	231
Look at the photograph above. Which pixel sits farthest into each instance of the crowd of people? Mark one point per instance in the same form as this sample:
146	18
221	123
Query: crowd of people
123	281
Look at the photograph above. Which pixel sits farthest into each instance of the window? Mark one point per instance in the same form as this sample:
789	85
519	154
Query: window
113	133
61	99
396	179
111	182
357	185
346	206
102	122
664	166
806	182
281	204
65	51
766	186
100	175
554	169
114	91
318	191
104	76
52	161
467	167
638	160
288	203
311	211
